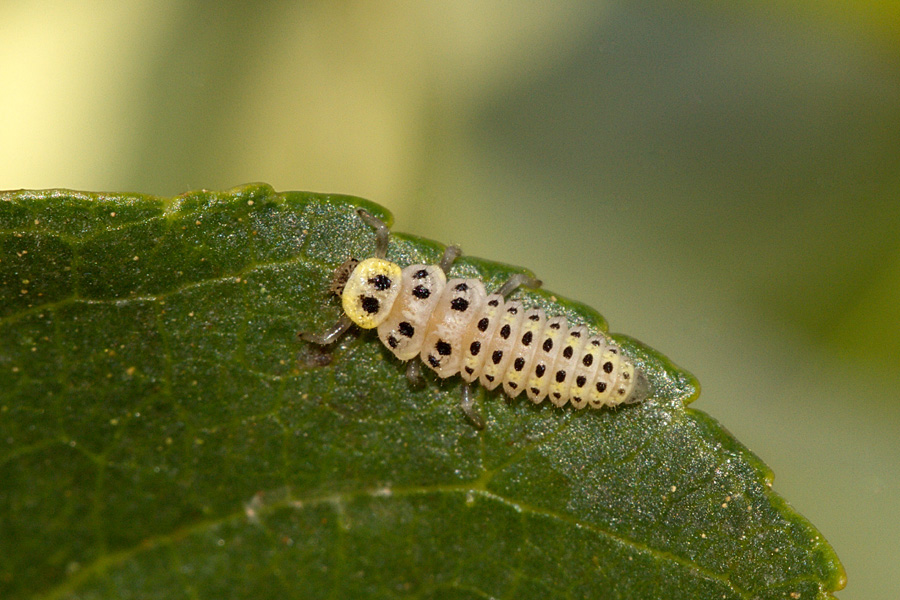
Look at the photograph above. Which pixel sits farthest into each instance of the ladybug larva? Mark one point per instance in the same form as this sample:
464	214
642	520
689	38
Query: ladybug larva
456	327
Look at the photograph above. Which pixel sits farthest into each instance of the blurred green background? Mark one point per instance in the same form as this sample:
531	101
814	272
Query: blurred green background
720	180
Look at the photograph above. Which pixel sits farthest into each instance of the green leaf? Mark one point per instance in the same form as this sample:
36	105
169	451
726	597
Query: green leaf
164	433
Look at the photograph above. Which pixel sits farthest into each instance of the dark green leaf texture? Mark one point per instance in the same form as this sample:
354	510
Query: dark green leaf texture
165	434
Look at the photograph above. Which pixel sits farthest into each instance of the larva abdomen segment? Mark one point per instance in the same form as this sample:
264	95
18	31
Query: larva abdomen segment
522	355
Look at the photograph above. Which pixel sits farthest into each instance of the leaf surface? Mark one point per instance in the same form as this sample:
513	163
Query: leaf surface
164	433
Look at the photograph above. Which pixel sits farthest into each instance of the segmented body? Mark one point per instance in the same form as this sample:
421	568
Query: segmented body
456	327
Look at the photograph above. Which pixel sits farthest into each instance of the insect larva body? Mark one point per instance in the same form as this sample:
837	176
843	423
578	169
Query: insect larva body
455	327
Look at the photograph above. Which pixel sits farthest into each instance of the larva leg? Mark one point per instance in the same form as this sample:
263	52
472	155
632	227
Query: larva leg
330	335
516	281
414	373
450	256
382	233
467	404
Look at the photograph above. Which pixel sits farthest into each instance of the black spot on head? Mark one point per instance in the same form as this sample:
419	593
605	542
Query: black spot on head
392	341
535	317
534	391
490	378
369	304
420	274
580	381
560	376
601	386
475	348
380	282
434	361
443	348
554	325
470	370
494	302
497	356
505	331
519	364
588	360
607	367
483	324
539	370
575	334
512	310
526	339
460	304
548	345
567	352
513	385
421	292
405	328
461	287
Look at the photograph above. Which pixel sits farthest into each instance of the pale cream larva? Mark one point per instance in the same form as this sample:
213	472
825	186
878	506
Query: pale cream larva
455	327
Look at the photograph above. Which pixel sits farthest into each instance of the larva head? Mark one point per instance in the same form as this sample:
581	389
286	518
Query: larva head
370	292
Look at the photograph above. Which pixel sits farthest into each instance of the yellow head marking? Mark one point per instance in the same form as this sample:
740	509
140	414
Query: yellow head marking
370	292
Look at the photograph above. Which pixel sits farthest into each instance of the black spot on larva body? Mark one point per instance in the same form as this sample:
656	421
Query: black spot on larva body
460	304
519	364
526	339
621	391
567	352
369	304
601	387
557	395
607	367
497	356
588	360
470	370
535	317
534	390
554	325
614	350
443	348
505	331
490	378
548	345
625	375
420	274
513	385
406	328
421	292
560	376
392	341
575	334
494	302
512	310
380	282
483	324
596	343
475	348
576	399
580	381
461	287
539	370
433	361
